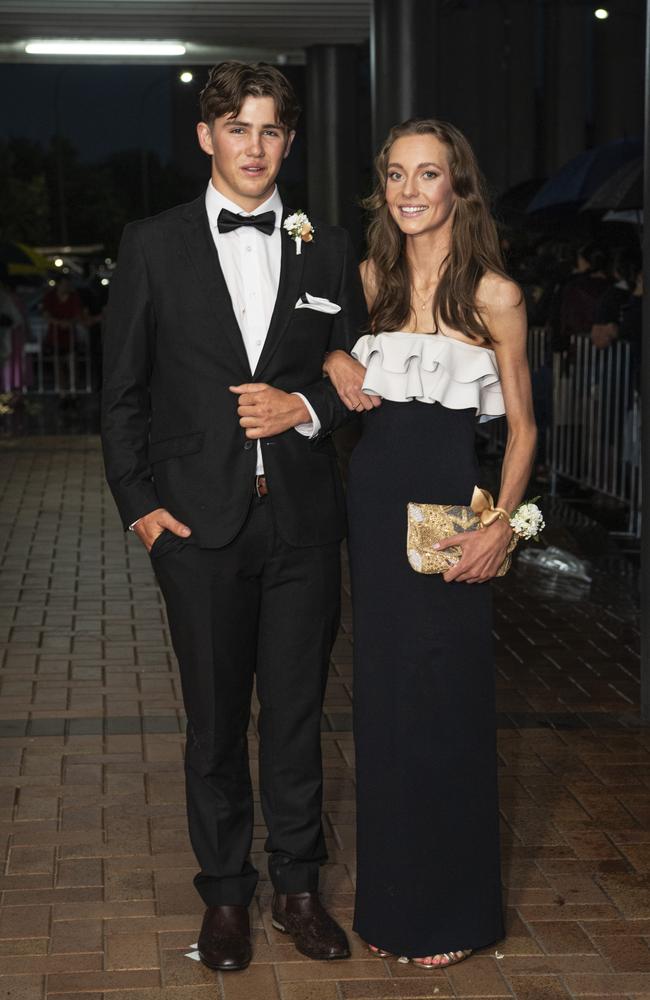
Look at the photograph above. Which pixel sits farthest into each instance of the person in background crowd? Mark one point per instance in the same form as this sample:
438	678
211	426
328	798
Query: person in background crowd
606	328
581	294
543	273
62	308
94	297
630	328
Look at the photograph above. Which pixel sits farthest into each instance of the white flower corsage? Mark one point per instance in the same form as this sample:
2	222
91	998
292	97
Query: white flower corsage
527	520
299	228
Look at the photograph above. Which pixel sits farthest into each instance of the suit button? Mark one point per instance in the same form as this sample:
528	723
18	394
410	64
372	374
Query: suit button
248	446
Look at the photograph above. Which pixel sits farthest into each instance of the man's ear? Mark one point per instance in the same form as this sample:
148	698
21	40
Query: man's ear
287	149
204	135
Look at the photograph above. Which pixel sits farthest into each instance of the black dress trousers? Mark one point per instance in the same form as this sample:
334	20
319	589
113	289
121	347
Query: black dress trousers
257	606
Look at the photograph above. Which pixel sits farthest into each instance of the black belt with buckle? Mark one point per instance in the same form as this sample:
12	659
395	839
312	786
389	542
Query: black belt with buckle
261	489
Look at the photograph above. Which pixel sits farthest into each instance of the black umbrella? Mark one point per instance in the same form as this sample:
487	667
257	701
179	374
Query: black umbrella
578	179
623	190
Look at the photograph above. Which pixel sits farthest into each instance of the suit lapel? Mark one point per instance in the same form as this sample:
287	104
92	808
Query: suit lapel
288	293
204	257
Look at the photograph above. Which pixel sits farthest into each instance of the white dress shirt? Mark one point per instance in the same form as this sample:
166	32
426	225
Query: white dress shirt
250	261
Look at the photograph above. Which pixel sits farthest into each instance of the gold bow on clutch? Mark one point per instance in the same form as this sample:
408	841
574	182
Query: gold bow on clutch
429	523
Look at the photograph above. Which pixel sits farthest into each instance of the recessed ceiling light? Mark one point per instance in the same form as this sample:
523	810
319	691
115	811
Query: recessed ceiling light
97	47
186	76
601	13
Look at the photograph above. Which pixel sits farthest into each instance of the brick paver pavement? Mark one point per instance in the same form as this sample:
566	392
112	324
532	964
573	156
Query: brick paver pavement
97	897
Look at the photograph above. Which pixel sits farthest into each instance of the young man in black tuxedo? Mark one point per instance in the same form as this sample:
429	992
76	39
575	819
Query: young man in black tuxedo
216	432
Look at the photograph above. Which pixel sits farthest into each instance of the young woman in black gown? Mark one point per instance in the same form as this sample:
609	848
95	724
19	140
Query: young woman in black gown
447	345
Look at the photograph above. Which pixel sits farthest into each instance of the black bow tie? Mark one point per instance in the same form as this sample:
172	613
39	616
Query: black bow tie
228	221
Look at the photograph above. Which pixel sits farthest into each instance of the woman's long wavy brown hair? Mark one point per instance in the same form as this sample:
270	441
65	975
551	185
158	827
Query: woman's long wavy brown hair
474	241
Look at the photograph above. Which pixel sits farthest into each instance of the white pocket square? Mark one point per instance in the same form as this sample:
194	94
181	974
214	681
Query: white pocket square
307	301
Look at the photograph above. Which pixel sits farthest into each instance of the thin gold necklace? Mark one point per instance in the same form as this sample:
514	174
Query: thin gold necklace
423	301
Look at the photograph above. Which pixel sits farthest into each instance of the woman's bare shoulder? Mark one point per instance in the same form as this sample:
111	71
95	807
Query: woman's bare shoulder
367	270
497	293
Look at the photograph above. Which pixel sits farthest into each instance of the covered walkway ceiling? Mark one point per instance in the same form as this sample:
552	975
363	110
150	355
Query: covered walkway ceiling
208	28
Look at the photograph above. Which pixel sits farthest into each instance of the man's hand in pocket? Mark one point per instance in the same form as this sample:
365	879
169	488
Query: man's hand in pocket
149	527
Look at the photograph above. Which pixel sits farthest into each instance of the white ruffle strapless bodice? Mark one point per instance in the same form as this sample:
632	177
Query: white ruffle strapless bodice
431	368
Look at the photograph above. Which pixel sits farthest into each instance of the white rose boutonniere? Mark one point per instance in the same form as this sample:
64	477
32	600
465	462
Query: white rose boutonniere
300	229
527	520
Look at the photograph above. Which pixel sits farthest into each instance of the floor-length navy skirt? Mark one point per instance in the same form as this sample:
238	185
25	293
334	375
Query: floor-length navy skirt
428	877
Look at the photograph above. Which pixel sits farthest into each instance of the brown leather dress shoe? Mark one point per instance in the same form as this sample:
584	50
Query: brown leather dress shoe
225	938
315	934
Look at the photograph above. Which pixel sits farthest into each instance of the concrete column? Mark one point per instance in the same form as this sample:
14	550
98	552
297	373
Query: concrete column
333	135
403	62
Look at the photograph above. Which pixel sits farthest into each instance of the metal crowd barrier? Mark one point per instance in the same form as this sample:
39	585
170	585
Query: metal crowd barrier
57	371
589	418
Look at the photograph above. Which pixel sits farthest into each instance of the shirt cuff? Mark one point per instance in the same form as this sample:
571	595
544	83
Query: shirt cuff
132	526
311	428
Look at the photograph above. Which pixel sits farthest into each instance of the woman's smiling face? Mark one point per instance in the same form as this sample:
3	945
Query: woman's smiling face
419	193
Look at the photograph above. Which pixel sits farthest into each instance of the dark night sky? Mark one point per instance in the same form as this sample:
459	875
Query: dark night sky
100	105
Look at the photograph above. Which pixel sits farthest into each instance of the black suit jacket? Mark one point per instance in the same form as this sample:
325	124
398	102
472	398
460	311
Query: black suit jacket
172	346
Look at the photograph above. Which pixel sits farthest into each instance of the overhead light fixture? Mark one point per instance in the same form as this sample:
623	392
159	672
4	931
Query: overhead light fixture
601	13
186	76
58	262
96	47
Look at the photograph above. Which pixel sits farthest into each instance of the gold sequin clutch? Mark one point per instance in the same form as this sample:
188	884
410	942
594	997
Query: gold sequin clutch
429	523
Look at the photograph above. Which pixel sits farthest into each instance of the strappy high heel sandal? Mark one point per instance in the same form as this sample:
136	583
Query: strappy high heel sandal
447	958
379	952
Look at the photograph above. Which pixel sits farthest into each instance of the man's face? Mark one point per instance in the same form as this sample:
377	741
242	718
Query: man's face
247	151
